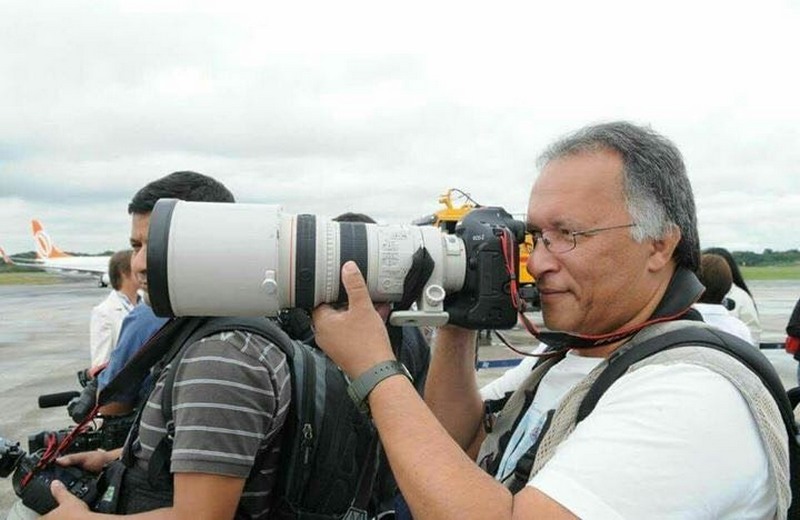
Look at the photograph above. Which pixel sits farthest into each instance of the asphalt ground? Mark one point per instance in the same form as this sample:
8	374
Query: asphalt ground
44	334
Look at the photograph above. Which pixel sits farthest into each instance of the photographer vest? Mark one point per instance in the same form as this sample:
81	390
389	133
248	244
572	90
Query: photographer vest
663	343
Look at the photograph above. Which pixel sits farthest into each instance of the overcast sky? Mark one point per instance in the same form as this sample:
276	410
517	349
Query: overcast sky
380	107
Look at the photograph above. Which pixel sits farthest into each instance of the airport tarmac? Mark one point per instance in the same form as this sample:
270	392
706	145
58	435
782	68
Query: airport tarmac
44	342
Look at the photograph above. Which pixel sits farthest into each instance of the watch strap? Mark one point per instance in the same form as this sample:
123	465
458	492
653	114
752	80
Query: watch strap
360	388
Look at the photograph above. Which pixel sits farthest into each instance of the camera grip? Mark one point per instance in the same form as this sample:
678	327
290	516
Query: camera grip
36	494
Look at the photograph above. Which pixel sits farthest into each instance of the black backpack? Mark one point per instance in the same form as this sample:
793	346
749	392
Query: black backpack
622	359
329	450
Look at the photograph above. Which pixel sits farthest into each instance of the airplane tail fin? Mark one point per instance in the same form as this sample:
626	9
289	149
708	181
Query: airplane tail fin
44	244
6	258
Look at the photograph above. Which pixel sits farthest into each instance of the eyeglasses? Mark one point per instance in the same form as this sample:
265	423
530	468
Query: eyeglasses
564	240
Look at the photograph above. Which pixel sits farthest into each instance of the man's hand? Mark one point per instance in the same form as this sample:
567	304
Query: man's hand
89	460
355	338
69	507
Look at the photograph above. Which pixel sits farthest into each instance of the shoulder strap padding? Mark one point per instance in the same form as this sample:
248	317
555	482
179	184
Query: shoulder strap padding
622	359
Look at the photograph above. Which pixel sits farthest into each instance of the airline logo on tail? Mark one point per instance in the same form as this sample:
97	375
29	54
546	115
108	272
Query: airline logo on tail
44	244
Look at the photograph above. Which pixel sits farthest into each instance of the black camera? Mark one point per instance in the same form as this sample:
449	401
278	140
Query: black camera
277	261
31	481
110	435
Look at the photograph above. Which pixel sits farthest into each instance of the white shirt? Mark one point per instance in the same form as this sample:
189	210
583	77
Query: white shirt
718	316
665	441
104	326
746	311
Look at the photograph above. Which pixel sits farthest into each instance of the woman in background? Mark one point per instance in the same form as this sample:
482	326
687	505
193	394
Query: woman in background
743	304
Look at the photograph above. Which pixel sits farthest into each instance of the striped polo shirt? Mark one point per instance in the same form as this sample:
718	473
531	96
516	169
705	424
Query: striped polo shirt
230	400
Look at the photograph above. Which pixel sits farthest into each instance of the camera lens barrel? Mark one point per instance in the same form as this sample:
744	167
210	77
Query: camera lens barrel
214	259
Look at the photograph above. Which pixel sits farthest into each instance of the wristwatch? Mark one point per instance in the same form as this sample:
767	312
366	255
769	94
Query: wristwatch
360	387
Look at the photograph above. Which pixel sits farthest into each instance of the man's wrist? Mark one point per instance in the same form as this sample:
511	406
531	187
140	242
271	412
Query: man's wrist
360	387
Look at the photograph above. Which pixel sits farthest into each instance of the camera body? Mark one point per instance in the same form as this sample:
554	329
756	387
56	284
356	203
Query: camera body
32	484
485	300
274	261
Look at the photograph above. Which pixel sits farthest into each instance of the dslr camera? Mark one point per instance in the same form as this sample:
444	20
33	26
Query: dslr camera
110	435
31	480
214	259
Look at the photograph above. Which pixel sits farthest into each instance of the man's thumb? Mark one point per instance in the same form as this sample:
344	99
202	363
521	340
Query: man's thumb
59	491
354	284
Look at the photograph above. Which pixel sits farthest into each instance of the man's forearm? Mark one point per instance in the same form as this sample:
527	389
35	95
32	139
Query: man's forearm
451	390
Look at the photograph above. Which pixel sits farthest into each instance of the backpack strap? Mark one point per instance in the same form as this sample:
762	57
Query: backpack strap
623	358
366	479
156	352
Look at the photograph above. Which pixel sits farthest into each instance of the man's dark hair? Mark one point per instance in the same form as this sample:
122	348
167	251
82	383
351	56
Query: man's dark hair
118	265
738	279
186	185
715	274
354	217
657	190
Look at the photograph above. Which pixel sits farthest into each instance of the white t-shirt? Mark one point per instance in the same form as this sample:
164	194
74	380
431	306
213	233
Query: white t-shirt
717	316
633	457
665	441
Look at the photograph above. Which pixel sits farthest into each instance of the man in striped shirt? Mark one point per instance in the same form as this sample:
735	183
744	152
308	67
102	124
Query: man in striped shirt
230	399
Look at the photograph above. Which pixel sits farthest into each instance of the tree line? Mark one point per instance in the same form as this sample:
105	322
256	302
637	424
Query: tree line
768	257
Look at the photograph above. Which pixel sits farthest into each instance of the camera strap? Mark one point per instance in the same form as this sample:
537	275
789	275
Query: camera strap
422	265
155	353
158	350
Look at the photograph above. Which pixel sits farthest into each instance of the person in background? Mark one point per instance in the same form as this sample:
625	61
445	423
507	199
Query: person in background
715	274
107	316
137	327
740	297
793	336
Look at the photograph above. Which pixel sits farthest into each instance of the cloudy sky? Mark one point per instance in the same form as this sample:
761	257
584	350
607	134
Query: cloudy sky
380	107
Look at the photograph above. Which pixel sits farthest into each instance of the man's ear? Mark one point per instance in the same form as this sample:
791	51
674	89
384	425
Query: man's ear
663	248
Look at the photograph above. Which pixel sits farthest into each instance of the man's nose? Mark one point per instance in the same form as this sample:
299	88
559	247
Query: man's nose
540	261
139	261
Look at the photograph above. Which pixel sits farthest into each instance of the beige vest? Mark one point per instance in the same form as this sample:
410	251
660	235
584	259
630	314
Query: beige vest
762	406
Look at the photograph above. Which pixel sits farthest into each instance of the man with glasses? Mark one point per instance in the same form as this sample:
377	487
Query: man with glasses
615	249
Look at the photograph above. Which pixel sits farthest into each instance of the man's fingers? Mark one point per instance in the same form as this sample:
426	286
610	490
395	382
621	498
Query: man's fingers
354	284
66	460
